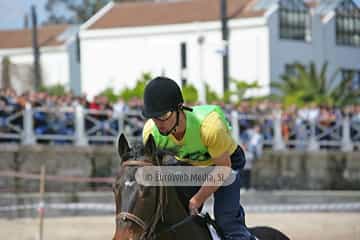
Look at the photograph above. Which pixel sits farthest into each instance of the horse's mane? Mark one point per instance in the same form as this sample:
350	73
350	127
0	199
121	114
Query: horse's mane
137	152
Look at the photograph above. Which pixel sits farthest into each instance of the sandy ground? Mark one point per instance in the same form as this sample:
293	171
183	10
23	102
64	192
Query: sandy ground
299	226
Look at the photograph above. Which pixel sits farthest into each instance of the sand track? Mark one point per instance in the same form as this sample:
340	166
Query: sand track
299	226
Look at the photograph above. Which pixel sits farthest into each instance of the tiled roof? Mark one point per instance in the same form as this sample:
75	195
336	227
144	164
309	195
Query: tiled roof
171	12
47	36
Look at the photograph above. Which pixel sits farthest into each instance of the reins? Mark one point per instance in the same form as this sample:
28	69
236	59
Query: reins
172	228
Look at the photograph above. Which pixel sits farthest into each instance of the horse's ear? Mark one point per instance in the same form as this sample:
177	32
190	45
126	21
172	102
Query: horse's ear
151	151
150	147
122	146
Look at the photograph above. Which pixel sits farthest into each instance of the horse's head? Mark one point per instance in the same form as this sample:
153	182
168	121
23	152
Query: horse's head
137	206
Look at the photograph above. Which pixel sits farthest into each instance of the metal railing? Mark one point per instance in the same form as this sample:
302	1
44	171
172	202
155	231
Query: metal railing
11	126
81	127
74	125
343	133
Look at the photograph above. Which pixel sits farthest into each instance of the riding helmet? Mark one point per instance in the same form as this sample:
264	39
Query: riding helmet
161	95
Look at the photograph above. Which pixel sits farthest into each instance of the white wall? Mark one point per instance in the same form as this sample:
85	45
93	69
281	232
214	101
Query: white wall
117	63
54	65
117	57
249	53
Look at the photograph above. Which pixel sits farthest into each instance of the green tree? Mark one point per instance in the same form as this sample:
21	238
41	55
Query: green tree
54	90
307	85
110	95
190	93
211	96
72	11
75	11
240	90
138	90
241	87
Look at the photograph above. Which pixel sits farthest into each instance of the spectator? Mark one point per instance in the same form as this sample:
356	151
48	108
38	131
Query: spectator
119	107
253	151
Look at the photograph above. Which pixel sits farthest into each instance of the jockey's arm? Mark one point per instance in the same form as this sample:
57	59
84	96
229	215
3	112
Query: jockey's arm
206	190
217	137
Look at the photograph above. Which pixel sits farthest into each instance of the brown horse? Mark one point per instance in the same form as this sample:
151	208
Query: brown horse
155	212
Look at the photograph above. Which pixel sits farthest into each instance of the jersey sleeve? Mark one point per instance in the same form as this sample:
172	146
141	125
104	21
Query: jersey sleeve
216	136
147	130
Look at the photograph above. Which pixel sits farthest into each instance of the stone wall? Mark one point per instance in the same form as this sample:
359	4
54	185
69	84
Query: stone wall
323	170
92	161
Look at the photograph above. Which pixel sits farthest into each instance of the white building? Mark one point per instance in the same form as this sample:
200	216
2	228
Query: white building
58	57
124	40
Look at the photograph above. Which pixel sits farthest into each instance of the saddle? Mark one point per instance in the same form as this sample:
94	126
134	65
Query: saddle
214	230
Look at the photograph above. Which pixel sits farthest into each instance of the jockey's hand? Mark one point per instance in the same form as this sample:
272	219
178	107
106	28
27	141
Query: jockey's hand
194	205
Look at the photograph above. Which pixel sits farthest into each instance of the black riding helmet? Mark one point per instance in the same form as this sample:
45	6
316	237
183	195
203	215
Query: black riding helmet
161	96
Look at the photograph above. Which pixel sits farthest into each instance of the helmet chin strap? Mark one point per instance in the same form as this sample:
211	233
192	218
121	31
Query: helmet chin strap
173	129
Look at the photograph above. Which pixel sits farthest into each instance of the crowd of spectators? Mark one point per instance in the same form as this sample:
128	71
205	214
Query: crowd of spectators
297	123
55	115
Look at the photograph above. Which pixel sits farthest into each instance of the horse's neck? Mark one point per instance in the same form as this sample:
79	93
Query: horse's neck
175	213
174	210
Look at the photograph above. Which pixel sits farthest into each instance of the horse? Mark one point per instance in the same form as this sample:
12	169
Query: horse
155	212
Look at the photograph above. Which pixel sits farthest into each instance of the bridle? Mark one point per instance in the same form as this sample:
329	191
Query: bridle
148	229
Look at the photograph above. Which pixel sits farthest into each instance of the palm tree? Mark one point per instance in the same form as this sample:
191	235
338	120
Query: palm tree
306	85
241	87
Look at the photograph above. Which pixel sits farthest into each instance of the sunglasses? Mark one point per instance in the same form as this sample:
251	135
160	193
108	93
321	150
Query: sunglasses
165	116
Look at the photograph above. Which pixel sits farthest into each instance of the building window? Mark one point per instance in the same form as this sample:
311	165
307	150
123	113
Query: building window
348	24
294	20
351	73
290	69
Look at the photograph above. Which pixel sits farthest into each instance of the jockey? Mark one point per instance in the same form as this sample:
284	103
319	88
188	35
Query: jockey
202	136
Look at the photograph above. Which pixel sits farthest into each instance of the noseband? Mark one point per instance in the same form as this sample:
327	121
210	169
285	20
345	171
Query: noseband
148	229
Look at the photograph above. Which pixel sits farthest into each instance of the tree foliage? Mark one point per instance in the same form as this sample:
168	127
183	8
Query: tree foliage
241	87
138	90
190	93
54	90
307	85
72	11
211	96
240	90
110	94
75	11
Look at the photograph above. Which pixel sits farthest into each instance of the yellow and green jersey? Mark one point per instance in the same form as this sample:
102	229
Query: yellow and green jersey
207	136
